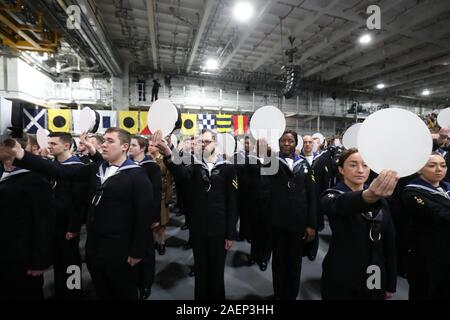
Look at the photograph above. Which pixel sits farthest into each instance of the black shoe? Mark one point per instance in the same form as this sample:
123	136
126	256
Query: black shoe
145	293
263	266
162	249
184	227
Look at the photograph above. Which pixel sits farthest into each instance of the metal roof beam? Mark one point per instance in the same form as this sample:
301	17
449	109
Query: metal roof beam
208	8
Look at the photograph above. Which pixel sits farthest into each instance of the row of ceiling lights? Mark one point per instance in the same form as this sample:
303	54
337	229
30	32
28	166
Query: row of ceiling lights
243	11
366	39
425	92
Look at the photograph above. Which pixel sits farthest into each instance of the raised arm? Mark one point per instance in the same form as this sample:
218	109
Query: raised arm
350	203
54	169
178	170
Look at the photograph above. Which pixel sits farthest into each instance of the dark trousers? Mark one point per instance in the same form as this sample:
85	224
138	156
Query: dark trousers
245	223
67	253
311	248
428	280
209	259
261	247
17	285
146	270
180	199
286	263
154	95
113	279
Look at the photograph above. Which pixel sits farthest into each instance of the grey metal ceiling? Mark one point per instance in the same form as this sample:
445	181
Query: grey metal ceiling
411	52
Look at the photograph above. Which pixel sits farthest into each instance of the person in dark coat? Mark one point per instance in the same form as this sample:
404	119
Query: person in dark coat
26	231
119	217
214	213
244	201
252	223
155	90
184	189
441	144
146	269
290	206
401	219
361	259
427	200
325	170
69	207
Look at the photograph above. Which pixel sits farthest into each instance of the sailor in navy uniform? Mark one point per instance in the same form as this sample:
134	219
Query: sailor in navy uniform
307	150
363	239
146	269
241	162
442	146
184	190
427	200
26	231
290	206
325	170
214	214
119	217
70	209
252	224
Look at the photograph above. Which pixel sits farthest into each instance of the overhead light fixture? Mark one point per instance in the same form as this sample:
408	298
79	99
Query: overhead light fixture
228	109
212	64
243	11
380	86
211	108
426	92
365	39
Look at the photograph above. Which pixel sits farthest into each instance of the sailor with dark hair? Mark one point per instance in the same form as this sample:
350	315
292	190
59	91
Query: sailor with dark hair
290	206
252	222
119	217
363	239
69	206
26	229
427	200
214	213
146	269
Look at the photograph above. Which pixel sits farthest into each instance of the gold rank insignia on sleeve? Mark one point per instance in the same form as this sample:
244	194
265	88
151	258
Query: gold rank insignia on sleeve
235	183
419	201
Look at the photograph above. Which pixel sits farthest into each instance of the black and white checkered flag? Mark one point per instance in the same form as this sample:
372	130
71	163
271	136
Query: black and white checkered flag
207	121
